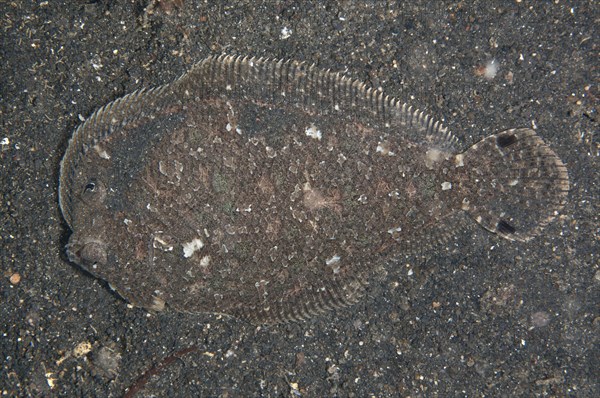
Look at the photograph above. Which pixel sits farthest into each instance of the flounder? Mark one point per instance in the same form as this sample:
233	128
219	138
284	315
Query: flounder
273	190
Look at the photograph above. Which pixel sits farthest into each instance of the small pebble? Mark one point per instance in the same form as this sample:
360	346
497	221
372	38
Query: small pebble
540	319
15	278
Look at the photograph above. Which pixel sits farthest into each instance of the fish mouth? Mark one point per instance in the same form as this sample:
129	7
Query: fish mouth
87	253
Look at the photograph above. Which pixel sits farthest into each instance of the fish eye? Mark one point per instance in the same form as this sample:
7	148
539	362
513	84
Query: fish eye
90	187
93	191
93	255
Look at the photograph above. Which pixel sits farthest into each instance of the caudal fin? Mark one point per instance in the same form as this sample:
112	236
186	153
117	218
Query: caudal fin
516	184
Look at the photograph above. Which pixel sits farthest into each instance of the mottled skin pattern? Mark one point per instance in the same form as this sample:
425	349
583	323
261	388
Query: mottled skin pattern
272	191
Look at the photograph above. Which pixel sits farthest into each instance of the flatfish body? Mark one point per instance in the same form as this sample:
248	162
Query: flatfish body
272	190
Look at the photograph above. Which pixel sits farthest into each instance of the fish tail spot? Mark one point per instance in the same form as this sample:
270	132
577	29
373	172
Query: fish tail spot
505	140
505	228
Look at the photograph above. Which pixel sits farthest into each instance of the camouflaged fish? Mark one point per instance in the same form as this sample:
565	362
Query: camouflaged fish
273	190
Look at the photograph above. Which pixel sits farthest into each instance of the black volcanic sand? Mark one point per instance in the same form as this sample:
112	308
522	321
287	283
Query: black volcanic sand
484	318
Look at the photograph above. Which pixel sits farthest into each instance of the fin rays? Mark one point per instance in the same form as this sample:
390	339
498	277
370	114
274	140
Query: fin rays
311	87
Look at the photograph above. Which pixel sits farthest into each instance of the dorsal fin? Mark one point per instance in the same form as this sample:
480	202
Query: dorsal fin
316	89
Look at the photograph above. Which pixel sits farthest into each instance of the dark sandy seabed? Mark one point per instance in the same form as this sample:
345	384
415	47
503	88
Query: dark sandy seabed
484	317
